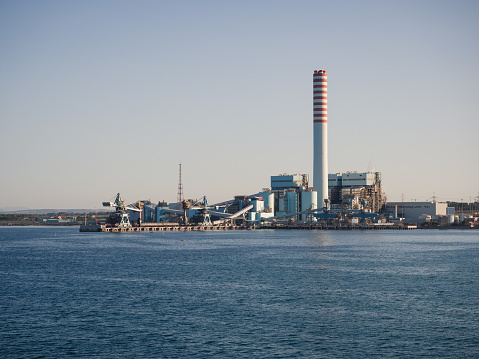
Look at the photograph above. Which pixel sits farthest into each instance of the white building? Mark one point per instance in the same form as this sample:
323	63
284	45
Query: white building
412	211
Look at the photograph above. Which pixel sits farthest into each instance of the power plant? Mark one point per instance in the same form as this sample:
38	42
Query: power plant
339	199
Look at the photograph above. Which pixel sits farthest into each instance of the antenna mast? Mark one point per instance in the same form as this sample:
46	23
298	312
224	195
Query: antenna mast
180	189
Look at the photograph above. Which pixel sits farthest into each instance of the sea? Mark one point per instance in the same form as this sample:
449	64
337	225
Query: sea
239	294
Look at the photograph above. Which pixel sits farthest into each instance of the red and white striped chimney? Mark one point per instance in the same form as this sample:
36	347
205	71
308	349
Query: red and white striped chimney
320	128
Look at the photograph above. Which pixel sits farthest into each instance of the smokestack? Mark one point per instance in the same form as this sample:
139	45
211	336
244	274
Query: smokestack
320	128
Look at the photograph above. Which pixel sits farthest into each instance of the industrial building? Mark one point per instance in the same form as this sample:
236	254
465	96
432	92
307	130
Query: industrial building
340	191
286	181
416	212
350	191
290	197
332	200
353	190
262	206
291	194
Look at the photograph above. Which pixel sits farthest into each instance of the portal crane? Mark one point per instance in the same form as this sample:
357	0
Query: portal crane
120	218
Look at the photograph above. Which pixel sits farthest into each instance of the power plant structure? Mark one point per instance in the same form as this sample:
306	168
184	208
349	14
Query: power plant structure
353	191
349	197
292	196
320	135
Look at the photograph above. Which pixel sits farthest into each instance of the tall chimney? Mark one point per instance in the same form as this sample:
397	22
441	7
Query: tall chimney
320	130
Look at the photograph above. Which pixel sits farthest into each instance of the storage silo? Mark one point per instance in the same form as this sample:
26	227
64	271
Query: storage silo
293	205
309	200
258	205
283	204
268	199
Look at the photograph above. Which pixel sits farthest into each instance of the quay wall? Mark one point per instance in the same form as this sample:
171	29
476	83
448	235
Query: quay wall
159	228
227	227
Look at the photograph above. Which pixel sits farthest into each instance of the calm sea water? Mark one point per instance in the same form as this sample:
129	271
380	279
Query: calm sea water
240	294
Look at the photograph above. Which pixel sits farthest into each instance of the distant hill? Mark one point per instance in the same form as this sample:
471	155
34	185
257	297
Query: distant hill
12	210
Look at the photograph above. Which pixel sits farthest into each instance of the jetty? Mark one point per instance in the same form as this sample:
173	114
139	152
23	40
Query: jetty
160	227
175	227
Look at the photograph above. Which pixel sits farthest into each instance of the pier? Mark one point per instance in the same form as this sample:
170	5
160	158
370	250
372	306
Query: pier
163	227
175	227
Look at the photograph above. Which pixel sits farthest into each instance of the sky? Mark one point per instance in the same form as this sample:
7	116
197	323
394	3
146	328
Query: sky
101	97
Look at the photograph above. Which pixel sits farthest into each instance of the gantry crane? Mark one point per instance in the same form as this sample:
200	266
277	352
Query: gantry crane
120	218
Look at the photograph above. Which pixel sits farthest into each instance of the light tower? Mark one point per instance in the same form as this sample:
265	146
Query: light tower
180	190
320	132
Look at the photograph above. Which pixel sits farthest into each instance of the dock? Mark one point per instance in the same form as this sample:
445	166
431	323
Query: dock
175	227
348	227
161	227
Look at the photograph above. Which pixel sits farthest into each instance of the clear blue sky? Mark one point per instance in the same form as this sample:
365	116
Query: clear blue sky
100	97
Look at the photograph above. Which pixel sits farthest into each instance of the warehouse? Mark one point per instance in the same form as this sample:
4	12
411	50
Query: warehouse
412	211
